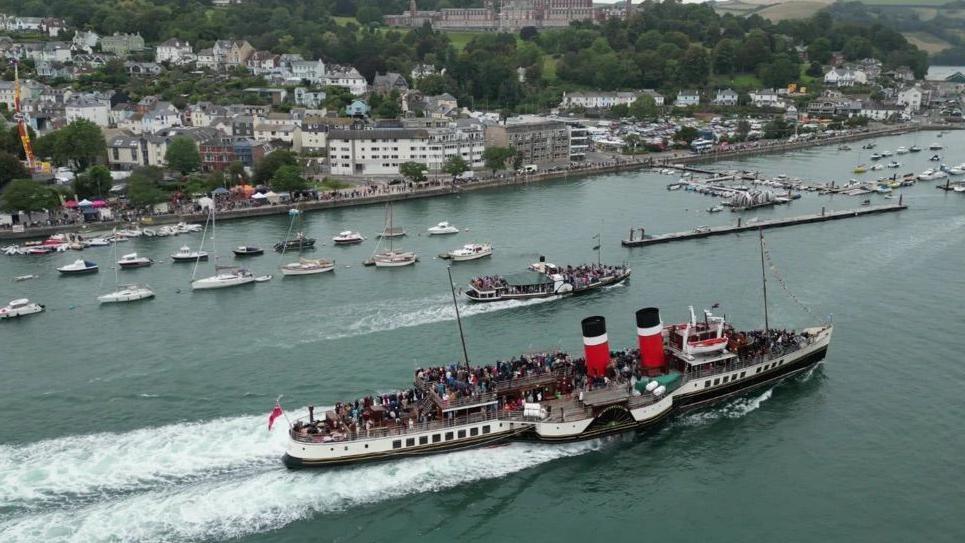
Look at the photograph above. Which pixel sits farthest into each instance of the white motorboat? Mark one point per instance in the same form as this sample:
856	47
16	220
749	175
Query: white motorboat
185	254
127	293
877	167
935	147
959	188
19	308
955	170
96	242
901	150
223	278
471	251
78	267
886	153
132	260
442	228
894	164
348	237
308	266
715	209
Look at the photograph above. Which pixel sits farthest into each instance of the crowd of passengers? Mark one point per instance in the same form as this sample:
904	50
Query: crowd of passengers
404	410
578	276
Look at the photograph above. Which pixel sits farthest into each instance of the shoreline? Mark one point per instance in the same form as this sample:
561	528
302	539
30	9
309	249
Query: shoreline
666	159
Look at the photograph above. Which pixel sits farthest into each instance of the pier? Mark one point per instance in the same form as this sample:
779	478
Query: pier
741	226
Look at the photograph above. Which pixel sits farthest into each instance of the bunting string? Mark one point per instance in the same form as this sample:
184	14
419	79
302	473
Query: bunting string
780	280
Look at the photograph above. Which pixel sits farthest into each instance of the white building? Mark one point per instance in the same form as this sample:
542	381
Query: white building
657	97
597	100
95	111
910	98
85	40
726	97
687	98
880	112
845	77
309	99
766	98
164	115
175	51
348	77
312	71
381	151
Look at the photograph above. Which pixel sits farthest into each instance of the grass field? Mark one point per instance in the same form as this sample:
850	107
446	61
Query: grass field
549	68
739	82
927	42
799	9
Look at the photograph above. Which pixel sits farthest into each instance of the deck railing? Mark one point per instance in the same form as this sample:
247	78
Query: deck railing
398	429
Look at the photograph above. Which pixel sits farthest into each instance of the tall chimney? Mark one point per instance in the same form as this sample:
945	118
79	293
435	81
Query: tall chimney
650	339
595	346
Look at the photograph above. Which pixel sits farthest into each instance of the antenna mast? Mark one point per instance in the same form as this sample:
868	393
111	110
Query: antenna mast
764	279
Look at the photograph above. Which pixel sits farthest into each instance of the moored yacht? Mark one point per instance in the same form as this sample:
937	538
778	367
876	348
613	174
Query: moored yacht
248	250
127	293
20	308
471	251
132	260
225	276
308	266
78	267
185	254
348	237
442	228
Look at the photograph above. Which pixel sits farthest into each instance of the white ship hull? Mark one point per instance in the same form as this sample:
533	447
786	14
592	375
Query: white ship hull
222	281
460	257
127	295
305	270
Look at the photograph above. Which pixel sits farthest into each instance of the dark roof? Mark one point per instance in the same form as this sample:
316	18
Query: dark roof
379	134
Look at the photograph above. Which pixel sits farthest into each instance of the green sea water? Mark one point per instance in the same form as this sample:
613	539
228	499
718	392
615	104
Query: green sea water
147	421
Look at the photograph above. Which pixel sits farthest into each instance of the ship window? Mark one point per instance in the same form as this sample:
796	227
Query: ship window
397	444
758	370
410	442
436	438
474	431
448	436
717	381
462	433
743	373
366	445
726	378
423	440
486	429
707	383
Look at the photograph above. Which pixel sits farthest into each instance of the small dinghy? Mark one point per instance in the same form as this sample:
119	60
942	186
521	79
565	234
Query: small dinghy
25	277
308	266
78	267
263	278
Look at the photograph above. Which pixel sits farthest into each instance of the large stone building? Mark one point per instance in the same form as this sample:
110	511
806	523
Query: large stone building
508	15
541	142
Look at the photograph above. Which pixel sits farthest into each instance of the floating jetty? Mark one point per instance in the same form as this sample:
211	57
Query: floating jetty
741	226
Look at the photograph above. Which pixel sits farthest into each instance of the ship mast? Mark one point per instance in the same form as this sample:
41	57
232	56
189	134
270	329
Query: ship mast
455	304
764	279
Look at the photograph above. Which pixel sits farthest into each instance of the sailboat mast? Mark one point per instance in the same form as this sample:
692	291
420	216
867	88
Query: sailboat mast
764	279
462	337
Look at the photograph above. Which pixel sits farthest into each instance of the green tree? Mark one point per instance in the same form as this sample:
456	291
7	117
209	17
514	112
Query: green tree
644	107
11	168
725	56
820	50
413	171
857	48
81	143
94	182
143	190
182	155
28	195
777	129
496	157
743	129
369	15
780	72
236	173
695	66
686	134
455	165
288	178
266	167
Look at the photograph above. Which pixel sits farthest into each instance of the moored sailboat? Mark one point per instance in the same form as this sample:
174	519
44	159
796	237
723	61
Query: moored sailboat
391	258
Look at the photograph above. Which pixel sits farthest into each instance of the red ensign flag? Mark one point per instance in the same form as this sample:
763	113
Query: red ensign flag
275	413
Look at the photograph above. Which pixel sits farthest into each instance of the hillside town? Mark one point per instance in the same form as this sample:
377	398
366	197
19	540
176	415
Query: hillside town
378	126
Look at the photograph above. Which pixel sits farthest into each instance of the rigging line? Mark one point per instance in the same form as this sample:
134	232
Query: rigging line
204	233
288	236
